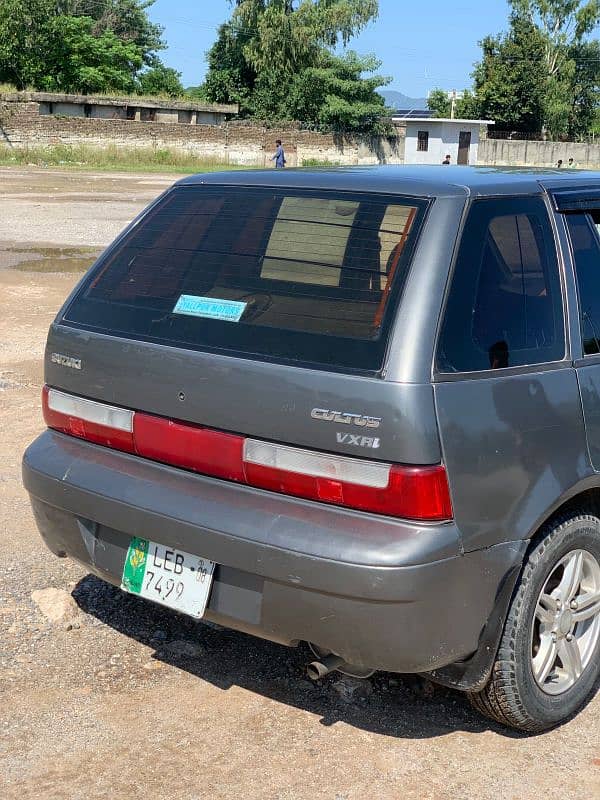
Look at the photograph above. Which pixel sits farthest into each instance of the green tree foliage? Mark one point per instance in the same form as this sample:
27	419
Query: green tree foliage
160	79
88	62
127	19
82	46
336	96
466	107
439	103
25	40
561	23
196	93
543	75
284	37
230	77
276	59
584	88
511	79
563	26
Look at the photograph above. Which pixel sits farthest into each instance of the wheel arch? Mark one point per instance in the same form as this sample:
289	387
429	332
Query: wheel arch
584	498
472	674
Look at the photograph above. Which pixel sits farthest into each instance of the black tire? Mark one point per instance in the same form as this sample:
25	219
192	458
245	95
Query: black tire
512	696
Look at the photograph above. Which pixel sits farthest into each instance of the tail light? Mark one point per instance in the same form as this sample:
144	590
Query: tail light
391	489
419	493
87	419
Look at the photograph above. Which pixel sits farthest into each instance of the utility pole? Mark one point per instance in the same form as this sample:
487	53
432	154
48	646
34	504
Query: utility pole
453	96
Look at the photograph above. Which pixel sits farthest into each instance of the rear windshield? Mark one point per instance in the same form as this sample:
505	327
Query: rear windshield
275	274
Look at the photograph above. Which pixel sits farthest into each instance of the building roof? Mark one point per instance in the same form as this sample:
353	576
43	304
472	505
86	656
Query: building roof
431	119
412	113
137	101
413	180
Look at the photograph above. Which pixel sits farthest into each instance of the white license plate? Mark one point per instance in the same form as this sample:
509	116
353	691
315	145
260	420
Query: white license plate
168	576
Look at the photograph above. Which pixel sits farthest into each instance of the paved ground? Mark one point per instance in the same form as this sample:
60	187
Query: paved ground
132	702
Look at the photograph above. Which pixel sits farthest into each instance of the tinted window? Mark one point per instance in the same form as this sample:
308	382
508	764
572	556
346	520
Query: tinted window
505	307
586	252
306	277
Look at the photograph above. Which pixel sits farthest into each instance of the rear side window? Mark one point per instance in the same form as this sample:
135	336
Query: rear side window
283	275
505	306
584	231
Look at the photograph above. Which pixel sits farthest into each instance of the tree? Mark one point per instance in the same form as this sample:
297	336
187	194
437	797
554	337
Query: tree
25	39
79	45
127	19
563	26
561	23
543	74
511	81
272	55
284	38
230	78
160	79
466	107
335	96
197	93
584	88
439	102
85	62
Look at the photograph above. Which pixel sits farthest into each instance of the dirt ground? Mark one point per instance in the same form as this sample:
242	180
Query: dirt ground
131	701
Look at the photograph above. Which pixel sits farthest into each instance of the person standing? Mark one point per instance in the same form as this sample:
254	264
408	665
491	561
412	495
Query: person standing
279	157
447	160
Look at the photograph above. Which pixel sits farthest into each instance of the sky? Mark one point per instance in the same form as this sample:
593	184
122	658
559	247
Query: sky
423	45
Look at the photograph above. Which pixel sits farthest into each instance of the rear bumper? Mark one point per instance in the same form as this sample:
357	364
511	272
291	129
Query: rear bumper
381	593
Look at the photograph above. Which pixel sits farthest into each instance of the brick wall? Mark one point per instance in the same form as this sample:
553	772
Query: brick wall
21	125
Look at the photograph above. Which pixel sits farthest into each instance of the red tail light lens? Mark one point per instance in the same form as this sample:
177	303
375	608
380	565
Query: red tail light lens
189	446
418	493
96	422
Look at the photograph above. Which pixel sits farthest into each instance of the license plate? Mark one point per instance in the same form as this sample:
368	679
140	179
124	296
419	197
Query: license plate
168	576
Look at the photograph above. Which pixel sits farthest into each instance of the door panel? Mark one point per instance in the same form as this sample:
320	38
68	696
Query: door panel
586	253
514	444
589	386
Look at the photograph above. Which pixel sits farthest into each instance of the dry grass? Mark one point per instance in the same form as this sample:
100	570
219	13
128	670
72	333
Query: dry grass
124	159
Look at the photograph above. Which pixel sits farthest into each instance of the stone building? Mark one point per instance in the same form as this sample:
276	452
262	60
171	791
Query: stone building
140	109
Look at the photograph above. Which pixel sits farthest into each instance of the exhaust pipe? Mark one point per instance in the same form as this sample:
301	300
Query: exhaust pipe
318	669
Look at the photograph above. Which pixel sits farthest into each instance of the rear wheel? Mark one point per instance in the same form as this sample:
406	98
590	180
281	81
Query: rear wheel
549	656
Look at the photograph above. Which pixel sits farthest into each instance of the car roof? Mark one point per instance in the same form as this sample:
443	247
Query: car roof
415	181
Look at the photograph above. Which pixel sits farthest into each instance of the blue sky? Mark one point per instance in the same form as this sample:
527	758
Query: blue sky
423	45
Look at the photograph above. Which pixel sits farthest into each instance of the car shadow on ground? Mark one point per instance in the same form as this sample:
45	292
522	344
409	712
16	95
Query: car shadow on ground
386	704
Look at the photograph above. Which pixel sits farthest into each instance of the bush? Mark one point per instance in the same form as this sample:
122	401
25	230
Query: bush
318	162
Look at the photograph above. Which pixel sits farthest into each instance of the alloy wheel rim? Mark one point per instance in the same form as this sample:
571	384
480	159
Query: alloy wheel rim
566	624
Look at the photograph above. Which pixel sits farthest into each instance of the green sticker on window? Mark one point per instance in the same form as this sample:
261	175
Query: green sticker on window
135	565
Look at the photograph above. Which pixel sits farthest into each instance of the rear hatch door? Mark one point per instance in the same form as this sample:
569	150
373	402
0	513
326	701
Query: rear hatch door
255	310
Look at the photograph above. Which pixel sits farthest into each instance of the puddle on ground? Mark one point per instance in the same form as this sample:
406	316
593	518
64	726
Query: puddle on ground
48	259
6	382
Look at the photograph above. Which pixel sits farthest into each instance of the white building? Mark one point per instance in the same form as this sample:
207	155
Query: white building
430	140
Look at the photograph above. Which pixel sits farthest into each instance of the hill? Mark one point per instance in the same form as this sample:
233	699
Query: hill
397	100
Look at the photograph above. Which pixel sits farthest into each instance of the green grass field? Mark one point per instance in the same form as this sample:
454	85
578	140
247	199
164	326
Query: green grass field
111	158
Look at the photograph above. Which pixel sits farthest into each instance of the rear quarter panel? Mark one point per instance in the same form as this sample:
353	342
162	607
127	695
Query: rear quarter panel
514	447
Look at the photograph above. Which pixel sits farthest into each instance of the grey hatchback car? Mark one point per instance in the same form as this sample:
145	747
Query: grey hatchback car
358	408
